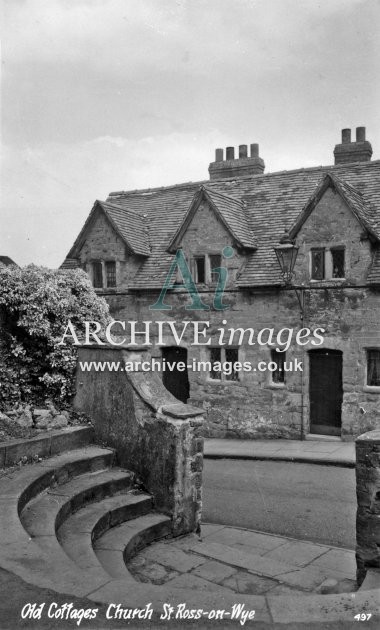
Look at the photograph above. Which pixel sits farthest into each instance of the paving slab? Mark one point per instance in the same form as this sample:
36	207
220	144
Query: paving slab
337	559
250	562
173	558
234	535
250	584
297	553
214	571
193	582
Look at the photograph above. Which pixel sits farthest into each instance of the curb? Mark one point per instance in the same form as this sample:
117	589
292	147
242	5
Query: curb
343	463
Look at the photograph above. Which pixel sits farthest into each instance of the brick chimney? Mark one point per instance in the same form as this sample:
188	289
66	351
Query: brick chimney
231	167
347	151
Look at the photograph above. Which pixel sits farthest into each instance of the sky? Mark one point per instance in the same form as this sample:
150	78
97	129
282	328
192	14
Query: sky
105	95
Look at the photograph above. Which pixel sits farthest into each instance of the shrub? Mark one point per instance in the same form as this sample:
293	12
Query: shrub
36	304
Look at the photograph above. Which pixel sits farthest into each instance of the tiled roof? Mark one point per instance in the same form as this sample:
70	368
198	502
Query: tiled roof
269	204
272	204
230	211
70	263
362	210
130	226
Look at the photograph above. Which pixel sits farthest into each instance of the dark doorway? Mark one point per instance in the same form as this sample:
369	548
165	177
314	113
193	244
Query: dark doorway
326	392
176	381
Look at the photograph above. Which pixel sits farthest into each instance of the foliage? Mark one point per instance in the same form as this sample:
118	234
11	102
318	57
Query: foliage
36	304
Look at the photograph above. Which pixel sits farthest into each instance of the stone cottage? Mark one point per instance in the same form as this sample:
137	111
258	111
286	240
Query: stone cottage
329	219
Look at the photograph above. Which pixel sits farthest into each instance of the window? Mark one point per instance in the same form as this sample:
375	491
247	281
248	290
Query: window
337	256
317	264
215	262
278	376
200	269
373	368
327	264
97	271
215	356
227	357
111	274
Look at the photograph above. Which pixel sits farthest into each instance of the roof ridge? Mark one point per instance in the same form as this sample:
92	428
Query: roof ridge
123	208
225	196
214	182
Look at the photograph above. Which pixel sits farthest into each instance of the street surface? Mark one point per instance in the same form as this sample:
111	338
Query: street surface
304	501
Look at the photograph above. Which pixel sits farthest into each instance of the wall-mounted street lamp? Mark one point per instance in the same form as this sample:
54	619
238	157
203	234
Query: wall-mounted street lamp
286	254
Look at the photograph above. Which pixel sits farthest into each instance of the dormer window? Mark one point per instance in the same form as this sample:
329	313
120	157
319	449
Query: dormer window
327	263
103	274
111	273
203	266
337	258
97	275
200	269
317	264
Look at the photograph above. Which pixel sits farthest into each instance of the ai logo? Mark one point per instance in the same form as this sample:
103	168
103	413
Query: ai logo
179	263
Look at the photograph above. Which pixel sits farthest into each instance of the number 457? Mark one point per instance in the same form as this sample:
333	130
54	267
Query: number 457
363	616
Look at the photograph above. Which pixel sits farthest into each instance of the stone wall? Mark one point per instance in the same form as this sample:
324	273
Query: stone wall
368	499
254	406
153	434
346	308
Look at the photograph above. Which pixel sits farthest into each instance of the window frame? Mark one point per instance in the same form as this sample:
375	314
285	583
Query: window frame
328	265
97	266
274	354
106	266
368	385
224	378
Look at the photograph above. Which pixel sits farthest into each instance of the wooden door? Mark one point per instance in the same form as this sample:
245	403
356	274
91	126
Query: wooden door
326	392
176	381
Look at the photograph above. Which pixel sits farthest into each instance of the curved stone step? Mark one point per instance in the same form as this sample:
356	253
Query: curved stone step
46	512
120	543
77	533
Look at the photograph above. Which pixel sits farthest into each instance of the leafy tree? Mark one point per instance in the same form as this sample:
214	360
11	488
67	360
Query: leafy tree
35	306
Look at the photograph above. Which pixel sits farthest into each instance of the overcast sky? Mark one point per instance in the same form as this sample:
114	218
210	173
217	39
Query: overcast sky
104	95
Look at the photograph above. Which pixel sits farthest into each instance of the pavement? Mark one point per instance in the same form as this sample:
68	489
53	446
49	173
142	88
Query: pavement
242	561
331	452
250	562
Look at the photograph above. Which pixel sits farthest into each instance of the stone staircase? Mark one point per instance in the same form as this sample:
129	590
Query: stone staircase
72	519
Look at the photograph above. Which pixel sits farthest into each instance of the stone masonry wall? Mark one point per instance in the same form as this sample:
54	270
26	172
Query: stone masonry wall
368	499
104	244
254	406
154	435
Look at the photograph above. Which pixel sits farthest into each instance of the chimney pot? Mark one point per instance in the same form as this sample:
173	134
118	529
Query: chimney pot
243	152
360	134
230	153
254	150
218	155
346	136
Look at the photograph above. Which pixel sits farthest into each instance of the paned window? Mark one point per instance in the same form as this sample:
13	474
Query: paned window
373	368
317	264
278	375
111	273
215	262
337	257
97	271
227	357
200	269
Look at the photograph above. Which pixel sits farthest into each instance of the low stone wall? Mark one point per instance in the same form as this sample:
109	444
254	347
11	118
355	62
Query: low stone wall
154	434
368	499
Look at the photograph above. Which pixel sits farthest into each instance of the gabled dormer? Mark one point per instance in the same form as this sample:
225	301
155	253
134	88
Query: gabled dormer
335	232
111	245
212	223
